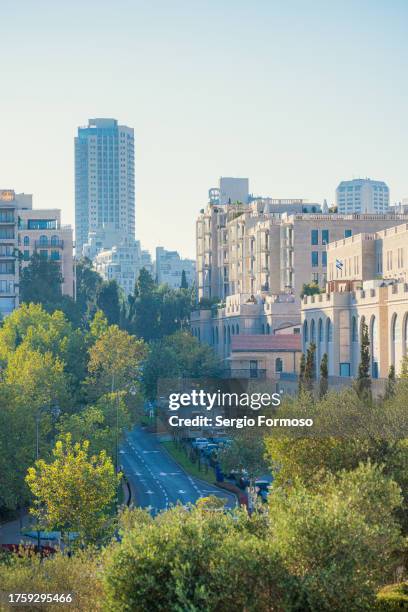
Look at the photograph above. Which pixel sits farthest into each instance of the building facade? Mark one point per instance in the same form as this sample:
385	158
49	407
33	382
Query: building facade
104	180
362	196
258	248
121	263
169	267
23	232
269	357
367	285
241	315
9	265
41	231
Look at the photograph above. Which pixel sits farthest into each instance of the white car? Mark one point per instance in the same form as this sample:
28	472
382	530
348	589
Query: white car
200	443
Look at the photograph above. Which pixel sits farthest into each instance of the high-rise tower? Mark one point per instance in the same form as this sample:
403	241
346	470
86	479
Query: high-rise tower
104	181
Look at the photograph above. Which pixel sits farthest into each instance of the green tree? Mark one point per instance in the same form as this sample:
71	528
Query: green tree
246	454
302	368
391	383
108	299
184	283
97	424
194	560
309	289
114	362
310	368
324	376
175	356
341	541
363	381
73	492
88	282
41	282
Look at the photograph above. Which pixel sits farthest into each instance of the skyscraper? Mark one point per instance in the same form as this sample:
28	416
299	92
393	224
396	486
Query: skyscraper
362	196
104	181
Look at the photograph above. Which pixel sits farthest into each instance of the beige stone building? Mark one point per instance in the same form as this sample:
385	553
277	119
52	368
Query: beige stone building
265	356
367	284
242	315
259	248
41	231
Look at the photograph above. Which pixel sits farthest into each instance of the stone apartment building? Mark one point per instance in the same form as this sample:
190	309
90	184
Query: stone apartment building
23	231
41	231
367	283
260	248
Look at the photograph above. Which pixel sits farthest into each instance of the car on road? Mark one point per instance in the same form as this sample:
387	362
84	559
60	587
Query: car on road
200	443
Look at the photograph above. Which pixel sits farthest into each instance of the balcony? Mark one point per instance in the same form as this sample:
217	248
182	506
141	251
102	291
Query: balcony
244	373
49	244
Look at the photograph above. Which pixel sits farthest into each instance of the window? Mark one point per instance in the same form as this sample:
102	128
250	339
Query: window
348	233
55	255
6	267
43	253
26	240
344	369
354	336
315	259
54	240
324	259
325	236
6	250
41	224
278	365
6	216
43	240
315	237
6	232
26	255
315	278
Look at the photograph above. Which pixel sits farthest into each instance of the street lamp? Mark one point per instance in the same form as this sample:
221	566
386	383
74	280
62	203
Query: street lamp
55	412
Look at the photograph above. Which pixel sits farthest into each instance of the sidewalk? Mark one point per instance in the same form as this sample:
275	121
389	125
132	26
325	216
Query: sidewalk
10	533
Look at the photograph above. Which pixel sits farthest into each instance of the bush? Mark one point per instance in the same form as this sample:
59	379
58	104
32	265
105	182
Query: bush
78	574
197	560
342	540
393	597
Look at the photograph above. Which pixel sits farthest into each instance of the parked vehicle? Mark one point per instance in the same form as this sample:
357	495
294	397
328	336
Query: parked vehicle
199	443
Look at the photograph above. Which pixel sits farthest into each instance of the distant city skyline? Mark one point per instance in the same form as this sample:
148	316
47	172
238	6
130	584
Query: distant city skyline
296	96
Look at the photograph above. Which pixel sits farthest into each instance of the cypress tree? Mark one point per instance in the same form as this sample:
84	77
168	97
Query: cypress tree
310	369
363	382
324	376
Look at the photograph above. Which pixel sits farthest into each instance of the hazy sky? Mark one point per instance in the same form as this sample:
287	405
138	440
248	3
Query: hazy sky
296	95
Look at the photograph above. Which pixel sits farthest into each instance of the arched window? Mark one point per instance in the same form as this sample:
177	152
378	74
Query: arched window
329	330
268	328
229	334
374	346
278	365
394	338
354	336
405	334
233	329
216	335
26	240
43	240
263	328
305	332
212	336
54	240
237	330
312	331
320	330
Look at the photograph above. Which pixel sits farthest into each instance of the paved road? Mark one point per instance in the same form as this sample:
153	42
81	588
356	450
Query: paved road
156	480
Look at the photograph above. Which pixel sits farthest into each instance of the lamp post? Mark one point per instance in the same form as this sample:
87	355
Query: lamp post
55	412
